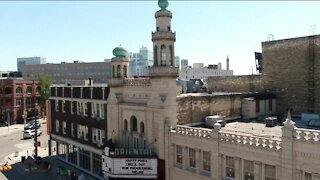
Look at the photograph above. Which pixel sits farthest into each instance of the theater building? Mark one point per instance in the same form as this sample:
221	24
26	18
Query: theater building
143	129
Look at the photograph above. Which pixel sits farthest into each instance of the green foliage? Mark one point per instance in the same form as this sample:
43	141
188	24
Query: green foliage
44	89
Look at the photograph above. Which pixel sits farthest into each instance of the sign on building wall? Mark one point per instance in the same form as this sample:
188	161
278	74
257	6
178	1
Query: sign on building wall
131	167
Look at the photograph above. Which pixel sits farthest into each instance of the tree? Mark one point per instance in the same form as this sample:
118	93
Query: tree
44	83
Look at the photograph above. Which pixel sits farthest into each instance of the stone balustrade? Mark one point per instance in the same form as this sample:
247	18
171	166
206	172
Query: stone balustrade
197	132
251	140
144	82
307	134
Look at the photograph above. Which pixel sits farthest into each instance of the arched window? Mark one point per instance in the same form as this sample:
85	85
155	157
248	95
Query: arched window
133	123
125	71
29	90
125	125
118	71
141	127
155	55
7	90
113	71
163	55
19	90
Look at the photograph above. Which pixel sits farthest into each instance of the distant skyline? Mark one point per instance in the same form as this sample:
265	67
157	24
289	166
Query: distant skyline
206	31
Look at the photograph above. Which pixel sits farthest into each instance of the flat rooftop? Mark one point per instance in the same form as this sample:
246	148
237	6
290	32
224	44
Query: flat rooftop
253	129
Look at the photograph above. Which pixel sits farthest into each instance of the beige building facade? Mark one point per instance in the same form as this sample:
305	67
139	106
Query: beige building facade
144	113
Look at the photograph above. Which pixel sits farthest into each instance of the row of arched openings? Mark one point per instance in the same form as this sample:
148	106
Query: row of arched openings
133	125
117	72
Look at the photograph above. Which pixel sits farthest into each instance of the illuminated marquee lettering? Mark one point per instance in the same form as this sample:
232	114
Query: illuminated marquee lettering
132	152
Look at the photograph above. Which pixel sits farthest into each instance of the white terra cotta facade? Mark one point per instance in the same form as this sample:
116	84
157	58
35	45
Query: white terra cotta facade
142	113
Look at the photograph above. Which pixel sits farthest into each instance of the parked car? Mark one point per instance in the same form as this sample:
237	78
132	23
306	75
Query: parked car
32	125
30	133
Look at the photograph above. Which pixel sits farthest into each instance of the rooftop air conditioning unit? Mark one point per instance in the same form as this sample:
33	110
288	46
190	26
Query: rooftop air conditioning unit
211	120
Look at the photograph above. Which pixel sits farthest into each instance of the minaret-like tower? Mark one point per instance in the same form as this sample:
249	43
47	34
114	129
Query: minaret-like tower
120	66
163	43
227	63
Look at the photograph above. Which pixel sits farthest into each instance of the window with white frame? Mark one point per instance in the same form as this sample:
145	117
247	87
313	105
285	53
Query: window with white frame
78	108
71	107
248	170
192	157
57	105
85	108
64	127
206	160
73	129
83	132
230	167
179	154
57	125
97	135
18	102
270	172
63	106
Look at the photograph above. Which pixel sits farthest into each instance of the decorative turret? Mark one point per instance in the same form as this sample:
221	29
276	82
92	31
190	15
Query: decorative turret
163	43
120	63
227	63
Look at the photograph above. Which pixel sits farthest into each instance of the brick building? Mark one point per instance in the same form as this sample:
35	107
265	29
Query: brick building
292	71
78	124
18	98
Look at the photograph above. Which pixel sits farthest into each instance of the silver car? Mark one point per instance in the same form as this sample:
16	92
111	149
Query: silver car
29	133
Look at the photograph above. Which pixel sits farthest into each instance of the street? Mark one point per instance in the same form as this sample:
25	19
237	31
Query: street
11	140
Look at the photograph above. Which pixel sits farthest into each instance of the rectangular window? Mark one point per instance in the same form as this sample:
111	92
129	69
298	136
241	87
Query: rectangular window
78	108
63	106
248	170
192	157
98	110
57	105
230	167
64	127
19	102
83	132
71	107
72	129
270	172
57	125
93	110
85	108
206	160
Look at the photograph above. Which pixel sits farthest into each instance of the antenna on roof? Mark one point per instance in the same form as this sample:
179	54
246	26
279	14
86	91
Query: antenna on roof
312	30
270	37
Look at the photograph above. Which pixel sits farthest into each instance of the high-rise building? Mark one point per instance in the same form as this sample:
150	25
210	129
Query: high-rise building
176	61
99	72
184	63
29	60
139	61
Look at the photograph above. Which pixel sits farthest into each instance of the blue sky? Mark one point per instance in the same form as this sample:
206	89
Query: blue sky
207	31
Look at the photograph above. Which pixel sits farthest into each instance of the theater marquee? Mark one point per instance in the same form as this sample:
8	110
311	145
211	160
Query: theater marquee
131	167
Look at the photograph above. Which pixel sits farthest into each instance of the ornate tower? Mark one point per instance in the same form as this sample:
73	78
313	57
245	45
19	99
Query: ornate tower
120	66
163	43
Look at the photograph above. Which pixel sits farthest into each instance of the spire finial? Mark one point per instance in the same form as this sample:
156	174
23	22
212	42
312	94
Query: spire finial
163	4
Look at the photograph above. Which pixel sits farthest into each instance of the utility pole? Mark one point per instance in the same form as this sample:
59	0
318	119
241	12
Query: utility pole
35	125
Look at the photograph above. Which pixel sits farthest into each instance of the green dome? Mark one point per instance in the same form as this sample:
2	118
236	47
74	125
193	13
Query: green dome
120	52
163	4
